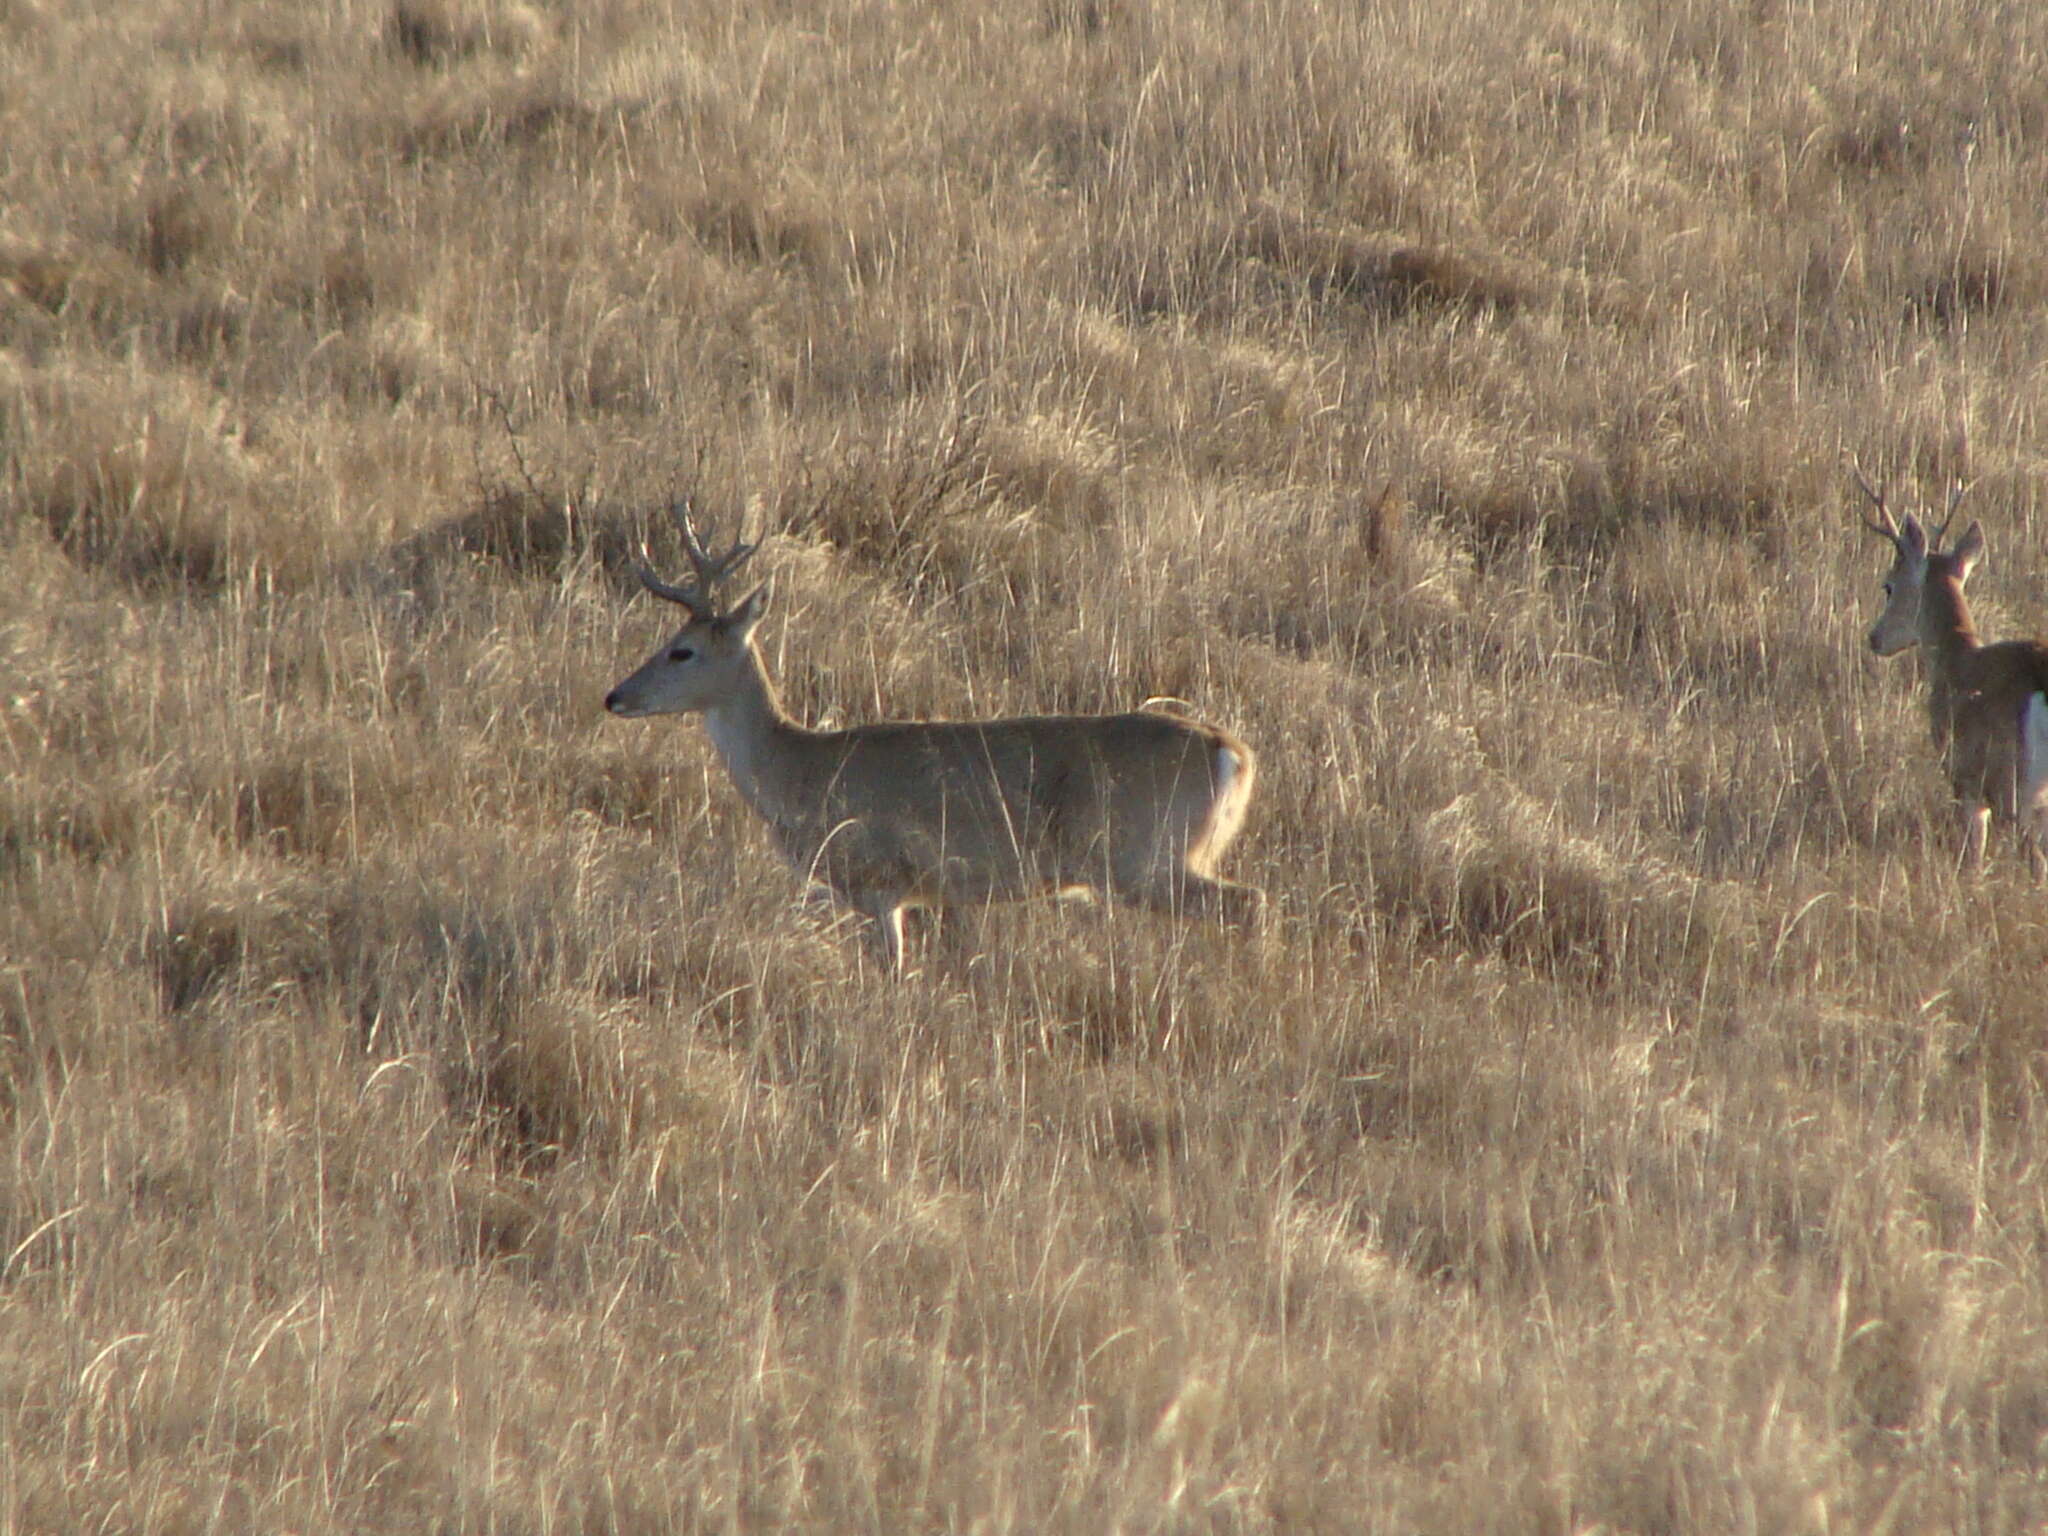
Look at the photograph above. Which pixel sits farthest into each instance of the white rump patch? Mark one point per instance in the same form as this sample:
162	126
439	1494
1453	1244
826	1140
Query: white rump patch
1227	767
2033	751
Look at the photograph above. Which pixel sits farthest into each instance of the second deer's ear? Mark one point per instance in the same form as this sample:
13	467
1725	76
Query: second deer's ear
743	618
1968	551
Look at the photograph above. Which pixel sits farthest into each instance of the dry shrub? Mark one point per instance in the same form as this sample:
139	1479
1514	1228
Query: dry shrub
1497	870
436	34
523	532
1688	604
1063	472
744	219
176	226
1377	272
528	111
325	795
147	485
912	506
1352	572
81	816
1980	282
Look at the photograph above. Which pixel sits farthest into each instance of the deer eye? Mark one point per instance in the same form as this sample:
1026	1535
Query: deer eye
681	653
1887	589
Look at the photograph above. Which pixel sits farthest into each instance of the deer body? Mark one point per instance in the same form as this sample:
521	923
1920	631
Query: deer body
940	813
1987	705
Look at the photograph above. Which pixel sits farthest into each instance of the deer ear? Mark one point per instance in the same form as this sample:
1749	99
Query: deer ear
741	620
1969	550
1912	538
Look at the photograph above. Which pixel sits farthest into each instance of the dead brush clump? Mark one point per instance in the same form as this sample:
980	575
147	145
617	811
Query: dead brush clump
323	795
177	226
1375	271
344	279
1497	870
1354	574
912	506
68	817
749	219
440	34
1688	603
531	112
149	485
521	532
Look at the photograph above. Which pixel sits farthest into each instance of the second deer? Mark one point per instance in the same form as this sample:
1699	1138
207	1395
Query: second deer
1986	704
939	813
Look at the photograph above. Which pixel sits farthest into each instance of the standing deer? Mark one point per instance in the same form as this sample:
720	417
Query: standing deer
1987	704
934	813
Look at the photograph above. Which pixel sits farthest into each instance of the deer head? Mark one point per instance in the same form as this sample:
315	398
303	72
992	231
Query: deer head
1914	553
709	660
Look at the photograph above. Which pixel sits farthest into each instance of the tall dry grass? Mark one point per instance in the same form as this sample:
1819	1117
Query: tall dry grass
427	1104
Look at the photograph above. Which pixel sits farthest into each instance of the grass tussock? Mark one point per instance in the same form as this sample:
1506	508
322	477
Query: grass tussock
429	1102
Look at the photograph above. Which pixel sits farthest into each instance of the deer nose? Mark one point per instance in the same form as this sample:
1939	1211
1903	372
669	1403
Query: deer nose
611	701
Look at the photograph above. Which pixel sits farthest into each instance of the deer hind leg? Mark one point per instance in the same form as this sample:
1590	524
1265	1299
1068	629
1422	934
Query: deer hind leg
1976	833
1175	878
1185	893
885	908
1167	860
1226	901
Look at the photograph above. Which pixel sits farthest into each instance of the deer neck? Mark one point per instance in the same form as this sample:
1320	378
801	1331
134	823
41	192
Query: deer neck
1948	639
1946	633
756	739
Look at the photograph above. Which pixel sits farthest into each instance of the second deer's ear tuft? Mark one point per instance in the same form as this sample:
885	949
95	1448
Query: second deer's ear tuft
748	613
1970	549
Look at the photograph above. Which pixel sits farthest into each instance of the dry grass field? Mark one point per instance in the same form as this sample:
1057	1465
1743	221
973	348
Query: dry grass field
427	1104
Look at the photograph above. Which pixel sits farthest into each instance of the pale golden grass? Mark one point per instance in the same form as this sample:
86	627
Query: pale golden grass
428	1104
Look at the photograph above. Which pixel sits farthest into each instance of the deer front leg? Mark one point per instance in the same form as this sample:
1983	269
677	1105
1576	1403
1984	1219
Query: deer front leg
1976	833
886	910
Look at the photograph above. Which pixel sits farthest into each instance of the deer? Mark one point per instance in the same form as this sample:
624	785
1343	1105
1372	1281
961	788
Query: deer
1987	705
934	814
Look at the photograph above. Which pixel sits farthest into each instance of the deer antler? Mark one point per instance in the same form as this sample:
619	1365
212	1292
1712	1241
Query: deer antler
699	596
1955	499
1889	528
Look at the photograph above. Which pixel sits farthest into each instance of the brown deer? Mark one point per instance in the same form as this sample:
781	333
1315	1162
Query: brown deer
1987	704
939	813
